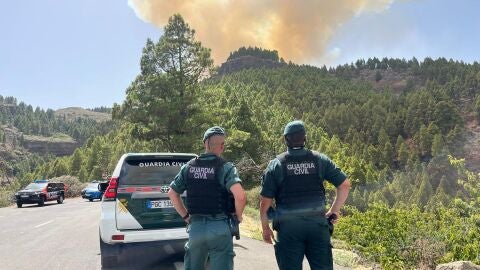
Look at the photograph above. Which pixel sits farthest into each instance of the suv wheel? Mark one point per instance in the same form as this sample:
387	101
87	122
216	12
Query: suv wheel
19	204
108	254
41	202
60	199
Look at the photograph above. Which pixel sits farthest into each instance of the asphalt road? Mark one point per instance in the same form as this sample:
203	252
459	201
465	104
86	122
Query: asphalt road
65	236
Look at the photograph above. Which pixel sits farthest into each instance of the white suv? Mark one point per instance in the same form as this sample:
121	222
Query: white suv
136	209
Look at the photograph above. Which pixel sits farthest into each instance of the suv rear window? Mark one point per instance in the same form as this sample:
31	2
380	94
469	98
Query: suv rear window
153	171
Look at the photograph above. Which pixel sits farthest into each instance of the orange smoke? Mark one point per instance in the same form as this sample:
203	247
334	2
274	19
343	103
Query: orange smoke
299	30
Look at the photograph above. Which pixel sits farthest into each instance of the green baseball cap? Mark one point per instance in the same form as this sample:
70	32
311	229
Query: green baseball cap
216	130
293	127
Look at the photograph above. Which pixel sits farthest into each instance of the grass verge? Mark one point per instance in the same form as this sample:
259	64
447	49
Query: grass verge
251	226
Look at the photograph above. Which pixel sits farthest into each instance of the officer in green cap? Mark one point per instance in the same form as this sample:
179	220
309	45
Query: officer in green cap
294	180
214	190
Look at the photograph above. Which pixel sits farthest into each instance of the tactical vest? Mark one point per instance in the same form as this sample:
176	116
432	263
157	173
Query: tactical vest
302	188
205	194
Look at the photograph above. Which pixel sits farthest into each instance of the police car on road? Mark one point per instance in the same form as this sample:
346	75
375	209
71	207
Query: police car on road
39	192
136	211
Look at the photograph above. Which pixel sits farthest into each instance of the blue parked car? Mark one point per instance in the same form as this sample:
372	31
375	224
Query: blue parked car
91	192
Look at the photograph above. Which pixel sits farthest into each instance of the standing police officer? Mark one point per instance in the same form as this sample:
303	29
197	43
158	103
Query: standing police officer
295	180
210	182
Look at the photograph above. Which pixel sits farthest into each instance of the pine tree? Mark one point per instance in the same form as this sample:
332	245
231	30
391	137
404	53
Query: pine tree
378	76
477	108
399	142
357	199
423	140
442	193
387	153
437	145
425	191
402	154
94	154
444	186
242	120
162	102
95	174
83	175
59	168
76	162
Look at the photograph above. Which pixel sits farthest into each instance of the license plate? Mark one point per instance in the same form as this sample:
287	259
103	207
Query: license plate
24	196
159	204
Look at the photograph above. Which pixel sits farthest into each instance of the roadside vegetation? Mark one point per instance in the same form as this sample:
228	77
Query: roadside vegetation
74	186
414	203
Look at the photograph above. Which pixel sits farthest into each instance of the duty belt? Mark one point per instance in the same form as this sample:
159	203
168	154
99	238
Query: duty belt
200	217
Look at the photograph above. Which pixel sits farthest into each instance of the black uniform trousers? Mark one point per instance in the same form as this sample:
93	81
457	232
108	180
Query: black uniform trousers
300	236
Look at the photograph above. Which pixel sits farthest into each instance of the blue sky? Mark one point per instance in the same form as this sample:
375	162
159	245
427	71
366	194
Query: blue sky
56	54
433	28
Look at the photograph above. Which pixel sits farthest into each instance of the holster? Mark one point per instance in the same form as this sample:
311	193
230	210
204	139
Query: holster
273	216
330	223
234	226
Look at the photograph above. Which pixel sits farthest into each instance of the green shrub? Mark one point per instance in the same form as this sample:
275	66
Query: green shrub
249	172
406	238
6	197
73	183
253	197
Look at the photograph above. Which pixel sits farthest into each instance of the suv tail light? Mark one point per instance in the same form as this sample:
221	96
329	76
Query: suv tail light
111	191
118	237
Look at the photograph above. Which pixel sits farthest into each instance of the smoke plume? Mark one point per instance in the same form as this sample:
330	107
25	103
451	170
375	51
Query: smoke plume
299	30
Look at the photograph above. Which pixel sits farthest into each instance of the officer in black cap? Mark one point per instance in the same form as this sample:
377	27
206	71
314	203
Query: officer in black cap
210	183
294	180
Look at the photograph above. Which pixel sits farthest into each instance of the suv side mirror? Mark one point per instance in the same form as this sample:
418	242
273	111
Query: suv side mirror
103	186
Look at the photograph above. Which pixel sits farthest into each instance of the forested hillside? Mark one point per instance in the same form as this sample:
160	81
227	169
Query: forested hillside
29	137
413	204
37	121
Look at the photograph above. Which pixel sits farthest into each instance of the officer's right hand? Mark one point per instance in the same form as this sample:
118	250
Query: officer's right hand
268	235
332	216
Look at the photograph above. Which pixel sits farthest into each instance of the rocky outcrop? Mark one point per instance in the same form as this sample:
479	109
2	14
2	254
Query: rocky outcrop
461	265
50	147
58	145
246	62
